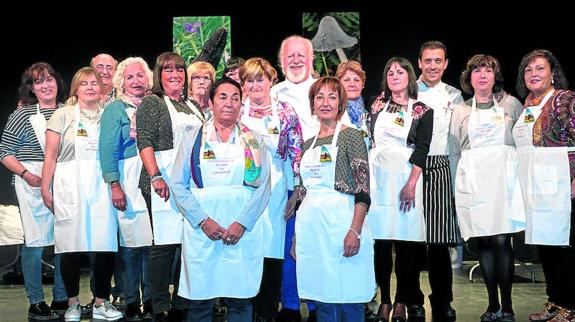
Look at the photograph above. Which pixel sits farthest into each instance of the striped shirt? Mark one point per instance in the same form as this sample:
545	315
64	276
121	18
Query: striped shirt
19	138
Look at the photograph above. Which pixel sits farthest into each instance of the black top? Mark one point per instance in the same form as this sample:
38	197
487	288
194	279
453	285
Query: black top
419	137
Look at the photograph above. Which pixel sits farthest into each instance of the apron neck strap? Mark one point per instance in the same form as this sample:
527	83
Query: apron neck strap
546	98
335	136
194	109
474	104
170	105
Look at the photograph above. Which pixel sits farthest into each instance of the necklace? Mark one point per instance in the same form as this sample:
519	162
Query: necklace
90	116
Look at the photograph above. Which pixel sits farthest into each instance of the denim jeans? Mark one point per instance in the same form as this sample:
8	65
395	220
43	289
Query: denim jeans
289	296
31	258
330	312
239	310
135	271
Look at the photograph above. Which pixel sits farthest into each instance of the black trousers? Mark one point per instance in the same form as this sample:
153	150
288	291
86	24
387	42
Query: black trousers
558	263
160	266
407	268
266	303
440	275
102	269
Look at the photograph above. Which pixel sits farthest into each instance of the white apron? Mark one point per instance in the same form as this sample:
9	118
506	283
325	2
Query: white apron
166	218
322	222
389	170
488	197
211	269
545	181
37	219
85	217
439	100
11	232
135	226
272	218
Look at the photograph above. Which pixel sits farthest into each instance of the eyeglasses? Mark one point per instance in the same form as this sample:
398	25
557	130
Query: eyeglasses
101	67
196	78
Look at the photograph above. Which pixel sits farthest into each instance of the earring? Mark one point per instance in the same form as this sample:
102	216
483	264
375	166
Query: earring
552	81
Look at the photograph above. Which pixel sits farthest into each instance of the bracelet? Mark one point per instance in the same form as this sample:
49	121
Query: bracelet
358	235
156	177
23	173
114	183
203	222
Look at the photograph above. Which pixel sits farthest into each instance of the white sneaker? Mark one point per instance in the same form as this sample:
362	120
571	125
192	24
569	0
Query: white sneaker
73	313
106	312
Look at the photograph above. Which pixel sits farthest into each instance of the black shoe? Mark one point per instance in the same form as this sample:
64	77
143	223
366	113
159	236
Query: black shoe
42	312
118	302
86	310
489	317
148	313
287	315
507	317
60	307
133	312
415	313
443	314
312	317
161	317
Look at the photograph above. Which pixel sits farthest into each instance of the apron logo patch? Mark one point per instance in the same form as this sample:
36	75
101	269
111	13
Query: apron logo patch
81	130
497	119
529	118
324	156
208	152
399	119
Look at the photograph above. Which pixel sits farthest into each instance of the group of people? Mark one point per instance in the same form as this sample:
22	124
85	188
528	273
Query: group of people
249	193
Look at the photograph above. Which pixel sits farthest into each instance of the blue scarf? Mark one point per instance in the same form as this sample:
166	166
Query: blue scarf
355	110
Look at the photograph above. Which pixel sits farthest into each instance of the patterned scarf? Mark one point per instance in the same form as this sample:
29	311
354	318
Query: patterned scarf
252	154
134	101
260	111
356	111
542	121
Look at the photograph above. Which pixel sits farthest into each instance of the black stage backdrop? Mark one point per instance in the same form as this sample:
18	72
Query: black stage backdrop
68	41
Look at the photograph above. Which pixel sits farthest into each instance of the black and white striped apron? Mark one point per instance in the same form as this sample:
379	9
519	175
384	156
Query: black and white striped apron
438	202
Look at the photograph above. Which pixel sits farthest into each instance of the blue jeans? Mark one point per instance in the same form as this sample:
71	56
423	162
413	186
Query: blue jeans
135	271
289	297
31	258
329	312
239	310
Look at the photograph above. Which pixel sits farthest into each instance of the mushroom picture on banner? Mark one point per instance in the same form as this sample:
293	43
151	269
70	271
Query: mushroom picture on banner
330	37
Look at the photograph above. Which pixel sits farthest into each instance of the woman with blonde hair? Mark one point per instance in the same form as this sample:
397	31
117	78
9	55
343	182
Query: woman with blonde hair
201	76
72	187
121	167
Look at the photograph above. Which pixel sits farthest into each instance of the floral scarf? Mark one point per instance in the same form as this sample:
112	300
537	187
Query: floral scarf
132	101
252	154
356	111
